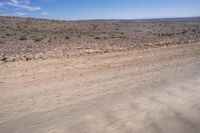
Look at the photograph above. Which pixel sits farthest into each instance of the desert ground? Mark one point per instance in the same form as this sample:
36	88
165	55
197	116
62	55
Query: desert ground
99	76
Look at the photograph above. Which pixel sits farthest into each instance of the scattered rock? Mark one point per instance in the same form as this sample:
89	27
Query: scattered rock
3	57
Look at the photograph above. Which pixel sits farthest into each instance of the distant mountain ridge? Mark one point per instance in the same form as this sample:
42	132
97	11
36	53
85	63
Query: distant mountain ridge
196	18
149	20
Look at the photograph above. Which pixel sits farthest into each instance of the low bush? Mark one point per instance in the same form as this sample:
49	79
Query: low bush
67	38
97	38
22	38
38	39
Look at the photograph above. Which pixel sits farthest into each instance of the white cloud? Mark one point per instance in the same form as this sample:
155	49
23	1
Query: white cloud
45	13
20	14
24	4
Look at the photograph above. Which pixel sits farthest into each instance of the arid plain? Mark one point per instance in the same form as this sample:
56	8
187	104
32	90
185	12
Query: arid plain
99	76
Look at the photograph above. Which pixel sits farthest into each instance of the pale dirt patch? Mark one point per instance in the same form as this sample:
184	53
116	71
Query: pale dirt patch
152	90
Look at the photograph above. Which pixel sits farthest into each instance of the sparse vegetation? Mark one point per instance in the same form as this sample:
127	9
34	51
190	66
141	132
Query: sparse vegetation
4	58
22	38
97	38
50	40
43	35
38	39
67	38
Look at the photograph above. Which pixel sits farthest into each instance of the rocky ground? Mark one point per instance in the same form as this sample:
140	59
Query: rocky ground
110	77
27	38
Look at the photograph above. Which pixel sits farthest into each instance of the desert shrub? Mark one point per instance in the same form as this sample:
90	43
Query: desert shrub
91	35
38	39
2	42
67	38
22	38
193	30
28	58
4	58
50	40
7	34
94	27
184	31
97	38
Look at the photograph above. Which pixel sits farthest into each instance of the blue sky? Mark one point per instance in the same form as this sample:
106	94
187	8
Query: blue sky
100	9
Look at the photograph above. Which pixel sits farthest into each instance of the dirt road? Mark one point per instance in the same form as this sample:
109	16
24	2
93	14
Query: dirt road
154	90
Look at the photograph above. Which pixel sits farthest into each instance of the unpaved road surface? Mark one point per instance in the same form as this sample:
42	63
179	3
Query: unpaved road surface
153	90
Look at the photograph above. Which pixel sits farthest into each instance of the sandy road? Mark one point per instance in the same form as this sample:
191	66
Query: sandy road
154	90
